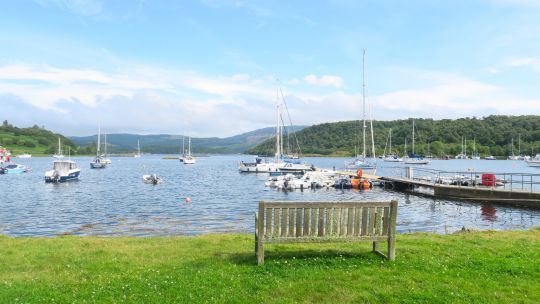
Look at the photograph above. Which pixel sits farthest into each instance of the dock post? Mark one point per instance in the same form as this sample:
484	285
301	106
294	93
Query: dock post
409	172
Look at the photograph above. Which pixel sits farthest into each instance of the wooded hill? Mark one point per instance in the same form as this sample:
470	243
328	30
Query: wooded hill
34	140
172	144
493	136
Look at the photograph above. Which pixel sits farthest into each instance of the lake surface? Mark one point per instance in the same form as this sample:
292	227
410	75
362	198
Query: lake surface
114	201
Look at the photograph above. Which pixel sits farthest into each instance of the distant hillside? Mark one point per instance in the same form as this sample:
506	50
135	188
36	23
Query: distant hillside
34	140
493	136
171	144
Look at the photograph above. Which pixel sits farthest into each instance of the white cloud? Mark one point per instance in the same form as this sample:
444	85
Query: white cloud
325	80
530	62
151	100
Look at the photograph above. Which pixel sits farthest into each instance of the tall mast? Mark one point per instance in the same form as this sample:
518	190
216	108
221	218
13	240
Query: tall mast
183	144
364	105
512	146
390	150
98	140
519	144
189	145
413	137
105	144
278	128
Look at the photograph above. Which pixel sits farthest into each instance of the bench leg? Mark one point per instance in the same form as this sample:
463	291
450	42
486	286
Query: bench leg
375	246
260	252
392	248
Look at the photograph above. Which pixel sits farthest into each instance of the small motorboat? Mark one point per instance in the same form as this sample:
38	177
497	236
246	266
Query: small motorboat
63	171
98	163
490	157
343	183
24	155
153	179
13	168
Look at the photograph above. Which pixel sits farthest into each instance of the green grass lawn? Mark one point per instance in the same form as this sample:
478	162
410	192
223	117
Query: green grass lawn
478	267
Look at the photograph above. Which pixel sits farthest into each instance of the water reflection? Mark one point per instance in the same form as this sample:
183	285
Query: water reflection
489	212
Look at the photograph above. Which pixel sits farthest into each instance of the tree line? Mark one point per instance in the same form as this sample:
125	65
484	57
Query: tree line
491	135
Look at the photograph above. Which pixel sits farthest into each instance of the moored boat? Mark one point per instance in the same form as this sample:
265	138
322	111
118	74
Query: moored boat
153	179
98	162
59	153
13	168
63	171
533	161
24	155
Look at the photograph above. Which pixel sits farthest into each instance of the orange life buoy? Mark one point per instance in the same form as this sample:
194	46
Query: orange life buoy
355	183
359	173
366	184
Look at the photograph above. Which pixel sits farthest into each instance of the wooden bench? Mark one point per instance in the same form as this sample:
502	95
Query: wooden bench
305	222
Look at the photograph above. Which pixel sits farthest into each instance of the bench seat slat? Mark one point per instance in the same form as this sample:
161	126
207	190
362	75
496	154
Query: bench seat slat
325	239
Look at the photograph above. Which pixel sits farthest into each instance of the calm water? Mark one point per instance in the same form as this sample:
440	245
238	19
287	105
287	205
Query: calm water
114	201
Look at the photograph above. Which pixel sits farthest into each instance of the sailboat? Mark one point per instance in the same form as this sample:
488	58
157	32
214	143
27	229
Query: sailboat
361	161
104	156
521	156
59	153
475	155
183	154
391	157
280	163
97	162
189	159
414	159
513	156
463	153
138	150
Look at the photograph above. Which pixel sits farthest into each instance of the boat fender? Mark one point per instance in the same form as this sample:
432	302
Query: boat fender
188	200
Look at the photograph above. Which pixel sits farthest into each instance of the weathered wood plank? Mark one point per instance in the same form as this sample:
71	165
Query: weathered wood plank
378	221
305	225
284	212
313	226
350	217
342	221
364	220
335	221
275	227
298	222
260	243
320	230
268	221
371	227
386	217
392	231
291	222
326	239
357	213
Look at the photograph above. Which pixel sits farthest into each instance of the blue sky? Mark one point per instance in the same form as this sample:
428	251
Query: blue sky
211	65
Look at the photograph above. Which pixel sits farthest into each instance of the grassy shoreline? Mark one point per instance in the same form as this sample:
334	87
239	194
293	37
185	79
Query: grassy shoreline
487	267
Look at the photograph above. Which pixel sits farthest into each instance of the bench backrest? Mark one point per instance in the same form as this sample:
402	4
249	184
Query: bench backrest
351	219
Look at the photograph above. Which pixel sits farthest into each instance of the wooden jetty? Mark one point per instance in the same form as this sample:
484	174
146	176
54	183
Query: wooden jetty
469	193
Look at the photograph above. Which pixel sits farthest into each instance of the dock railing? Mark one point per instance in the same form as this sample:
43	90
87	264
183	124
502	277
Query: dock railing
528	182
